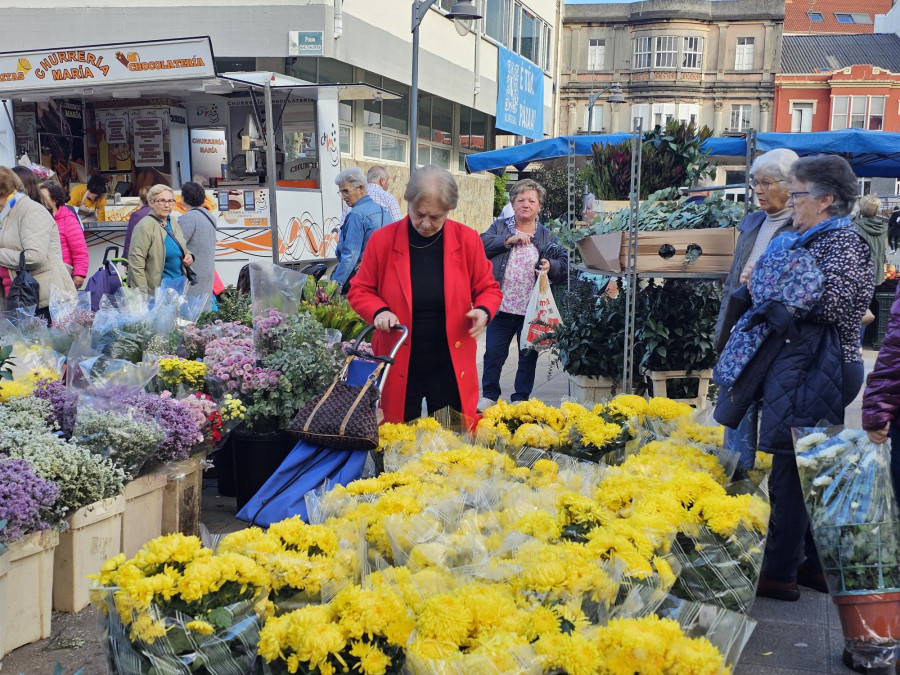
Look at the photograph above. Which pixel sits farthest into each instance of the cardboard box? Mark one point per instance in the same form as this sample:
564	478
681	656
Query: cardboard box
27	606
608	252
142	520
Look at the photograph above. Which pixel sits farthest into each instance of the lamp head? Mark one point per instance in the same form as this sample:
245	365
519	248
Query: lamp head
616	95
463	9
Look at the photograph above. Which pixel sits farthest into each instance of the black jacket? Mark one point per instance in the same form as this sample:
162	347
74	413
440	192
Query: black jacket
548	247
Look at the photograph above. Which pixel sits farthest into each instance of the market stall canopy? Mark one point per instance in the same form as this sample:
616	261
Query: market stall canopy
521	156
347	91
871	153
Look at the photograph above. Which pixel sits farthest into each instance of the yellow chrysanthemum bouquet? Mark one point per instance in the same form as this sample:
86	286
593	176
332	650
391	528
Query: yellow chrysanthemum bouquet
176	605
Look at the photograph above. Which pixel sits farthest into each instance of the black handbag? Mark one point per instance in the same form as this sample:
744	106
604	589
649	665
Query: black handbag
343	417
24	290
738	302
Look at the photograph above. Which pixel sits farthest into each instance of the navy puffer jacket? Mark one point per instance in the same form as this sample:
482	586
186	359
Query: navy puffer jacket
881	402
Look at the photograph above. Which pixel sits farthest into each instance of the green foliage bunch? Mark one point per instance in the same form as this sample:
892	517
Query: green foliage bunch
672	157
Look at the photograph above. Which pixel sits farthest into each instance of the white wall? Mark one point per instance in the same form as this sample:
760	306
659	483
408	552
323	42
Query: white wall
7	136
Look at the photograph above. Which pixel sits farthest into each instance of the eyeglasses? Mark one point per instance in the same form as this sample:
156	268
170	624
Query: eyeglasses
763	184
347	191
165	201
793	195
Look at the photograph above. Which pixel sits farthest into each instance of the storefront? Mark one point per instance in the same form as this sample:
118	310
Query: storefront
157	112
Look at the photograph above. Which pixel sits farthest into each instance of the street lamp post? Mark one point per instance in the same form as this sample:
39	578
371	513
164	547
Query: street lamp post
615	98
462	9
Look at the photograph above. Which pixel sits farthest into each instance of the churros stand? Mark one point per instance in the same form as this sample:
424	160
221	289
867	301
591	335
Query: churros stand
153	112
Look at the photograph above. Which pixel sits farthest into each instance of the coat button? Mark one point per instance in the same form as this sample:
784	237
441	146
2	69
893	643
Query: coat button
458	343
462	373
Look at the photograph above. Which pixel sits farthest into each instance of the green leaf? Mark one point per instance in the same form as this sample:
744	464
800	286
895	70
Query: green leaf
219	617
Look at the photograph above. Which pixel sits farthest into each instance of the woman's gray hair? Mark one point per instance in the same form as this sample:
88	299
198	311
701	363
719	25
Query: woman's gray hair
776	163
435	182
156	191
353	175
828	175
869	205
523	186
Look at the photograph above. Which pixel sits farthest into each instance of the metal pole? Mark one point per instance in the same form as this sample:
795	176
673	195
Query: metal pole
271	171
419	7
631	275
751	155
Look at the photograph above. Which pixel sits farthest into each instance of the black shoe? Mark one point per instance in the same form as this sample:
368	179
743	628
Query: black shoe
777	590
810	578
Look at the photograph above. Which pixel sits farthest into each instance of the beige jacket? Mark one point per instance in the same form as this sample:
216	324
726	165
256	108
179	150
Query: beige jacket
29	227
147	253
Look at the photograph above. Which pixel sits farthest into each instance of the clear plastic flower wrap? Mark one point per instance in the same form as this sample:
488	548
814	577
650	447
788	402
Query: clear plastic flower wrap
721	560
847	487
273	289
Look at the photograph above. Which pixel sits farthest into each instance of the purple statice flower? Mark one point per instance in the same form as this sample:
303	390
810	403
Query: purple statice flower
26	500
182	428
63	403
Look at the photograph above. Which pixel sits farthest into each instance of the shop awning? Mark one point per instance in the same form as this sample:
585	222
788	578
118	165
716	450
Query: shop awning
870	153
347	91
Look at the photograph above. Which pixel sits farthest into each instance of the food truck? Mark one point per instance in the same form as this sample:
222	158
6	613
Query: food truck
144	113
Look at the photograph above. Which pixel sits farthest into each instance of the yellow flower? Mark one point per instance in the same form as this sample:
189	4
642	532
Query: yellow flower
666	409
201	627
372	661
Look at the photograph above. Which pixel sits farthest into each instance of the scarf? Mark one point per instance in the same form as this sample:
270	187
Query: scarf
10	203
787	241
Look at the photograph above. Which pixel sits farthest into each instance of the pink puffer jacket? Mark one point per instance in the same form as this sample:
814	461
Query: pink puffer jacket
71	239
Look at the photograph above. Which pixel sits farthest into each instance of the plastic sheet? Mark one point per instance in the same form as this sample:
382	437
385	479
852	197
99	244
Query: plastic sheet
275	287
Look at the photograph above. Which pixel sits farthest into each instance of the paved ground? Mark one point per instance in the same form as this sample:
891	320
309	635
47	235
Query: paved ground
791	638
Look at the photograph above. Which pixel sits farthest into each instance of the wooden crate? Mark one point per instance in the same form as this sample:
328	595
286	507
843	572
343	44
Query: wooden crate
93	537
26	609
142	519
609	252
181	498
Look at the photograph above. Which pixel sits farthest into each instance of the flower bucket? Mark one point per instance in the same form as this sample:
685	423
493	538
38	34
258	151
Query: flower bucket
181	498
870	617
142	519
4	570
25	613
659	378
94	535
223	459
590	389
256	458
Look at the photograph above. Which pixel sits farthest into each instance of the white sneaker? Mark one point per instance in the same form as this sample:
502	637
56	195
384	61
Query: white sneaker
484	403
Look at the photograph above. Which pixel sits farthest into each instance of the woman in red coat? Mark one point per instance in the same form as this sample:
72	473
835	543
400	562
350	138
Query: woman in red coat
430	274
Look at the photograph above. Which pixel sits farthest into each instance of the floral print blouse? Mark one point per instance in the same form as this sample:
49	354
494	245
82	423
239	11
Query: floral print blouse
519	278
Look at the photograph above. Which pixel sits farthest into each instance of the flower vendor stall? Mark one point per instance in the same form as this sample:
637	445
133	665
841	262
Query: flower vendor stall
520	552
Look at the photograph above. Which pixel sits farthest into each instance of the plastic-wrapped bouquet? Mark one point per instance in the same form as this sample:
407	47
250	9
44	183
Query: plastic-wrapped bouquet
853	512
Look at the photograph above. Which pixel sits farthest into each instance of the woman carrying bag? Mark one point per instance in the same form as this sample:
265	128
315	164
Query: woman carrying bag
158	249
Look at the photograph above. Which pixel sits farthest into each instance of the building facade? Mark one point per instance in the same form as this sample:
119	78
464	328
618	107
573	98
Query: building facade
711	63
360	41
807	17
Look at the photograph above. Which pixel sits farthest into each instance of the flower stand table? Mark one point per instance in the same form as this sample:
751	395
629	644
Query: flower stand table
25	611
94	536
142	519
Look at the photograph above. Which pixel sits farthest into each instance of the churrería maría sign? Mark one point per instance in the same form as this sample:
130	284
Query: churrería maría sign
131	63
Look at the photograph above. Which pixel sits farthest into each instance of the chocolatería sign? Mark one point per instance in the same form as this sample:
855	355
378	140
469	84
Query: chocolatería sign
131	63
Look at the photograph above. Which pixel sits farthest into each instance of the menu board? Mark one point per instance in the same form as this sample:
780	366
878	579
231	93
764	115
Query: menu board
149	141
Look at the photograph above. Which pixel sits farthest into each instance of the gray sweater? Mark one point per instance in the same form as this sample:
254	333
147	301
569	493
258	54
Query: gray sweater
200	234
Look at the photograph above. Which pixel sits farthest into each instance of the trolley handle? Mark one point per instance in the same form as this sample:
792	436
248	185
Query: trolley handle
389	359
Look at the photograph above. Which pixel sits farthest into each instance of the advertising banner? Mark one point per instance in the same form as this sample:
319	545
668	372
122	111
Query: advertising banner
209	149
520	95
126	63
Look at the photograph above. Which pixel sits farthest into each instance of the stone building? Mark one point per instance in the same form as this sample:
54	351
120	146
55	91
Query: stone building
708	62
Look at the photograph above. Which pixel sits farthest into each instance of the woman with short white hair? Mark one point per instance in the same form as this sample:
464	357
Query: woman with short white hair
158	248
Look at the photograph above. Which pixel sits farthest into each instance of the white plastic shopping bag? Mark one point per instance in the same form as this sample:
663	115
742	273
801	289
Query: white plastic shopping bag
541	316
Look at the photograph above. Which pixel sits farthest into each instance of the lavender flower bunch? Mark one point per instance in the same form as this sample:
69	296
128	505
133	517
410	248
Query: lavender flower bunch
63	404
197	338
179	424
26	500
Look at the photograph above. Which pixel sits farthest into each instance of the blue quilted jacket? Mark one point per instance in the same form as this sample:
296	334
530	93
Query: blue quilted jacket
798	382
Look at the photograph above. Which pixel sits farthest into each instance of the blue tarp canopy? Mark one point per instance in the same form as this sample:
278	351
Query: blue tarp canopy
871	153
521	156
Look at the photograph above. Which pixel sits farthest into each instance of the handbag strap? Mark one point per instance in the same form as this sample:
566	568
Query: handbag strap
369	381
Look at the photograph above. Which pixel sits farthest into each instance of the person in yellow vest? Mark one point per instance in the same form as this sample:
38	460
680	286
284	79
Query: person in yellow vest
90	200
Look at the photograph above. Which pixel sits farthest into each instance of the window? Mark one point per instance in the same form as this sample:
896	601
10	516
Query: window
496	19
815	16
865	186
663	113
857	112
897	187
386	122
743	56
593	124
641	111
740	117
519	29
530	38
381	146
596	54
693	53
689	113
666	51
853	17
801	117
641	53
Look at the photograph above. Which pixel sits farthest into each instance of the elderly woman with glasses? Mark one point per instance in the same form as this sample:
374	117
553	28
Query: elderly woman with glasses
769	180
364	218
158	248
807	366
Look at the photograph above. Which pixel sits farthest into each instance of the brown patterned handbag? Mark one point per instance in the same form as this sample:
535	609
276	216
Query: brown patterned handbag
343	417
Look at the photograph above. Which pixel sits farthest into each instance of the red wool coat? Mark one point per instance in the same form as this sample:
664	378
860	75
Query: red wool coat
383	281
